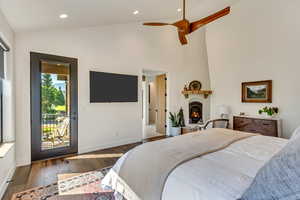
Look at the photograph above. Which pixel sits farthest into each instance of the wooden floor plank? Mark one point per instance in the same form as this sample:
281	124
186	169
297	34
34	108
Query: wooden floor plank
45	172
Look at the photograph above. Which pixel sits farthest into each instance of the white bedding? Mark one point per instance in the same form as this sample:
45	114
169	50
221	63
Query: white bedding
223	175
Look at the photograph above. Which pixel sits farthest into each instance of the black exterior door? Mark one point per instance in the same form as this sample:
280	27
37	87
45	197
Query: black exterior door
54	106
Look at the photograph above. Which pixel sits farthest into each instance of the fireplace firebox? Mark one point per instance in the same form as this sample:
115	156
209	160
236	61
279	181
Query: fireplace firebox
195	112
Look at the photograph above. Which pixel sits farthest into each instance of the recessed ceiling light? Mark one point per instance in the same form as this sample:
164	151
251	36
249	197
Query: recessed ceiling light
179	10
63	16
136	12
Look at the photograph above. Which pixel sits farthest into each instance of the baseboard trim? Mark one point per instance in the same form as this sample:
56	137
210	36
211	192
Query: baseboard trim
82	150
4	185
23	162
109	145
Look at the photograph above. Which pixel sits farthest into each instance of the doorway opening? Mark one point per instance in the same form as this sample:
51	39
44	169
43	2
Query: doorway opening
53	106
154	103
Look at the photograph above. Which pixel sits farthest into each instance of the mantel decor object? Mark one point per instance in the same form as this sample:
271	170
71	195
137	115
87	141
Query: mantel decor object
195	85
195	88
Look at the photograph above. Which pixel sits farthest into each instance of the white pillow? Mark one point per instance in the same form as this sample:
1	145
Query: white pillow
296	133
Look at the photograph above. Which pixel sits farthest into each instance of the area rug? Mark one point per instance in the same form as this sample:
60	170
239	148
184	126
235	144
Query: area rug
86	186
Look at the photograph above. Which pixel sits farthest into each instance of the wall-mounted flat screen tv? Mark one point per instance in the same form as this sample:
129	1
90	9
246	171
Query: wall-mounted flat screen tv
108	87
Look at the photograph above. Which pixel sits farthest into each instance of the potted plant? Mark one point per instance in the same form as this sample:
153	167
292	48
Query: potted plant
177	121
181	118
269	111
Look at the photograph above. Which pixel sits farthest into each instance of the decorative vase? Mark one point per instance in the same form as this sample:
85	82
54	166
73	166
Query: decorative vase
269	116
175	131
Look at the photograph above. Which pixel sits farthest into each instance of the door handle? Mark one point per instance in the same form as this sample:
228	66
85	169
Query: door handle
73	117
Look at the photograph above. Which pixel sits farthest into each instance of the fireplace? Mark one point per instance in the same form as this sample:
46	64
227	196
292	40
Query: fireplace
195	112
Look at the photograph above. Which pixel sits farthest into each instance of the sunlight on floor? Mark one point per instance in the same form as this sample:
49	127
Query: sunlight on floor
91	156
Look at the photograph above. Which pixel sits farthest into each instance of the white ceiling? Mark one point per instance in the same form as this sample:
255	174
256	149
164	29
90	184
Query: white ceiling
32	15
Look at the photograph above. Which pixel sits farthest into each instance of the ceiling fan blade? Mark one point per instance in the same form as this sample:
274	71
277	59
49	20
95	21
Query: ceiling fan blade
156	24
202	22
182	38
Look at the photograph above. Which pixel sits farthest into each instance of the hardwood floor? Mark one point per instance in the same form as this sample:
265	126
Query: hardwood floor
43	173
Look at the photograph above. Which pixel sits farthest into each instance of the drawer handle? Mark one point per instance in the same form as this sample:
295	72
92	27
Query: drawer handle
265	124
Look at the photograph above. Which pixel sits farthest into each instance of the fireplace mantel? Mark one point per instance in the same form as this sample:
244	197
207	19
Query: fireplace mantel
187	93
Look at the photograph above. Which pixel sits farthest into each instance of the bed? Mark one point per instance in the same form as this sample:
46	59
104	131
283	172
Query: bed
223	174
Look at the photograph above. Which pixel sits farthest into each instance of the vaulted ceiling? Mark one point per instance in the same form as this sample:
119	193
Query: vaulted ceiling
32	15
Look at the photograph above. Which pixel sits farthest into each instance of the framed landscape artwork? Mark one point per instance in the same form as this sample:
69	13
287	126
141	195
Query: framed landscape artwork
257	92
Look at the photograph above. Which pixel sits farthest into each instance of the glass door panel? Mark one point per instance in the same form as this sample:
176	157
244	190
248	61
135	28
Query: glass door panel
55	105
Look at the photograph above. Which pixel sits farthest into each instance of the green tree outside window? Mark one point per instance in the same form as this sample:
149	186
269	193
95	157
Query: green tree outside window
51	96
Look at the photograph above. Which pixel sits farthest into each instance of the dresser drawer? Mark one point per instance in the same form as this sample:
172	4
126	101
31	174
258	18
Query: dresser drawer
268	127
254	125
241	123
267	123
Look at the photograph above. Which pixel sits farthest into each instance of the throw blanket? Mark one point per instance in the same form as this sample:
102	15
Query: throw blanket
146	168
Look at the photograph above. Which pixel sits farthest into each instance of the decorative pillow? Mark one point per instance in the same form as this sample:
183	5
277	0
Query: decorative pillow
296	133
279	179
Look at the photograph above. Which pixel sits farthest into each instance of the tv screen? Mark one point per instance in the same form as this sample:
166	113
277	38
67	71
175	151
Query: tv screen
108	87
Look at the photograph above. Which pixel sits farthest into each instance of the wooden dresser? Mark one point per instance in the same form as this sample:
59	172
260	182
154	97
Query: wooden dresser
264	126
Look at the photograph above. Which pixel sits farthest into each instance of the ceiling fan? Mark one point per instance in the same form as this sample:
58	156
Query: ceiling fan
185	27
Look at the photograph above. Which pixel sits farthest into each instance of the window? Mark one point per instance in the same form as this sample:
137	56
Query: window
3	49
1	112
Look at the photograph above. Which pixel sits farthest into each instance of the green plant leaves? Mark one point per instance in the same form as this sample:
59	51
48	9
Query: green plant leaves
269	110
177	119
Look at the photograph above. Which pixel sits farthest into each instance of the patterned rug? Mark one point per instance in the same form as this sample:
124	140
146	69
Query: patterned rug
86	186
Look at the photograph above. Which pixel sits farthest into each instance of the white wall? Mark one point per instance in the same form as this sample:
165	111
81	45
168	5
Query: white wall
258	41
7	169
120	49
7	164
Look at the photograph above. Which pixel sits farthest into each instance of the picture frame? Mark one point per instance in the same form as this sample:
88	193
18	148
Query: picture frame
257	92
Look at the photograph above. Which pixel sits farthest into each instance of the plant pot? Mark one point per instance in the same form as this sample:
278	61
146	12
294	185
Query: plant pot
268	116
175	131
